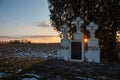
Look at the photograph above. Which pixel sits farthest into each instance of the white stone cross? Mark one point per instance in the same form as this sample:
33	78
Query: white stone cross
92	27
78	22
65	29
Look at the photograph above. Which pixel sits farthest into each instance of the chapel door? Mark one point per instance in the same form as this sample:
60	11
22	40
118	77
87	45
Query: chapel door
76	50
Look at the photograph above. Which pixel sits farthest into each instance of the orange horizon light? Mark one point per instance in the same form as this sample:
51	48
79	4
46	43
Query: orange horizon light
85	40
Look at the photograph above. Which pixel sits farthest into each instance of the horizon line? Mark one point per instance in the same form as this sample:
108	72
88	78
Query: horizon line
26	36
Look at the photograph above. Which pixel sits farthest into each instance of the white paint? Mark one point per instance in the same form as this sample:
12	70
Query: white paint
93	53
78	35
65	29
93	43
65	42
78	22
92	27
63	54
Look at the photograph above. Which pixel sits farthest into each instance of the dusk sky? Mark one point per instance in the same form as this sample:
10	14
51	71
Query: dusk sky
27	19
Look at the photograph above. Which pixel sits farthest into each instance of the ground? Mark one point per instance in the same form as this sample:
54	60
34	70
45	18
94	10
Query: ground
38	62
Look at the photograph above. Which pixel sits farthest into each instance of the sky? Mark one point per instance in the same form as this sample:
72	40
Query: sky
26	19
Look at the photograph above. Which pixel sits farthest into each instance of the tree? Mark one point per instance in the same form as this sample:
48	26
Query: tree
106	13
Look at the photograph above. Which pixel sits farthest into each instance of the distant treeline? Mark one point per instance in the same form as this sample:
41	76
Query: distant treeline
16	42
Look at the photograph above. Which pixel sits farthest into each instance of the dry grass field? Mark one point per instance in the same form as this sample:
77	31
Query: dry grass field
18	58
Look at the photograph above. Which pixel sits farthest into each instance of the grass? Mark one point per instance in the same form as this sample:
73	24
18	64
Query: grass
11	64
16	65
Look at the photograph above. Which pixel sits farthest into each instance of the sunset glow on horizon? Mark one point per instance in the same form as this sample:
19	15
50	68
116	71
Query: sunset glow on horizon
34	39
26	17
45	40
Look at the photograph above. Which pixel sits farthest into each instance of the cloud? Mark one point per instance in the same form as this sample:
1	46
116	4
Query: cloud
34	28
6	37
43	24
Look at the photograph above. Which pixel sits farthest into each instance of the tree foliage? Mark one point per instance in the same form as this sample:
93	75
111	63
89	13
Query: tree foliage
106	13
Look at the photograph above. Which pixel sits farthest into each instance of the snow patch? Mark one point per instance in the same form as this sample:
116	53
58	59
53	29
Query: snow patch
41	51
1	74
31	74
29	79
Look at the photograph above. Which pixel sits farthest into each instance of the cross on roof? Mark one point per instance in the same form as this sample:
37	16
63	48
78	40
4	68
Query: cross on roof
65	29
78	22
92	27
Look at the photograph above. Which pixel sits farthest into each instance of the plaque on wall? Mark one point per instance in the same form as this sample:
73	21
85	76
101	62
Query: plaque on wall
76	50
